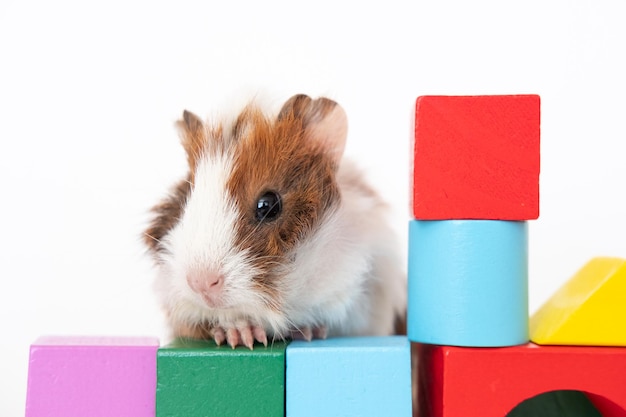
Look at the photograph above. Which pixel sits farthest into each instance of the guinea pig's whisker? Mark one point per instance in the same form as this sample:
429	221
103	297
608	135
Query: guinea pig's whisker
152	237
250	235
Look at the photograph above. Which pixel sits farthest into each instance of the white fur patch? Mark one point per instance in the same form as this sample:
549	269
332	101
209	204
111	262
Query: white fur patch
204	240
347	276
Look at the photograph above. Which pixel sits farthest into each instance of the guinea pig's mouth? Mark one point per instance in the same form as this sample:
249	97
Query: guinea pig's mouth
212	301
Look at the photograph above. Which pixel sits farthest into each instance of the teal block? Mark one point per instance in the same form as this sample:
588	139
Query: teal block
361	377
468	282
198	378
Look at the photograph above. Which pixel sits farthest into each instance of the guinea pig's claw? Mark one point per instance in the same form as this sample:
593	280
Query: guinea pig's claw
242	335
219	336
320	332
247	339
232	337
260	335
309	333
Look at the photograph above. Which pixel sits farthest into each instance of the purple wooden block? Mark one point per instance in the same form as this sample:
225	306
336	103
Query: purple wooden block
92	376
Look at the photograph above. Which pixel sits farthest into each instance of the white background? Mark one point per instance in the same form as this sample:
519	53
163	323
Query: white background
89	92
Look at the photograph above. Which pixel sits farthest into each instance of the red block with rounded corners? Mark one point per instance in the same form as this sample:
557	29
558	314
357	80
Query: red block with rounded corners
476	157
490	382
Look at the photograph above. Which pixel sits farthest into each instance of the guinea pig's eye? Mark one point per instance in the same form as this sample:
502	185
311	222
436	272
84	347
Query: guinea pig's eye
268	207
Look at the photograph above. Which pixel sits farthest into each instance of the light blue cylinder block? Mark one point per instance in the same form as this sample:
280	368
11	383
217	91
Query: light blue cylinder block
468	282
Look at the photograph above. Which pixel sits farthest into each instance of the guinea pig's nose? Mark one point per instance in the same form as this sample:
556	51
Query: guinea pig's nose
205	282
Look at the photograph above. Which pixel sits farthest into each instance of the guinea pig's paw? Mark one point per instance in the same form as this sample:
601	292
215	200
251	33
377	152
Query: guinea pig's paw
243	333
309	333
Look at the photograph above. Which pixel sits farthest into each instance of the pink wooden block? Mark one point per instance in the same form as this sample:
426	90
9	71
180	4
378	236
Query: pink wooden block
92	376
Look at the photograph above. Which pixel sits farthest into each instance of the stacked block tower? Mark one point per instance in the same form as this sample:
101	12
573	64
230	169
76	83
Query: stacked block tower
475	185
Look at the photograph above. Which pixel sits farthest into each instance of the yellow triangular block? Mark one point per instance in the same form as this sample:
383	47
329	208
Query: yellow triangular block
589	309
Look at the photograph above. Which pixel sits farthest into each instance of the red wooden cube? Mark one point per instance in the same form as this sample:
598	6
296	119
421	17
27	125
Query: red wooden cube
476	157
490	382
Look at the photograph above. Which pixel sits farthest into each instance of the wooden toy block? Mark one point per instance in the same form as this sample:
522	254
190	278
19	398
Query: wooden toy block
92	376
198	378
368	376
476	157
490	382
468	282
590	309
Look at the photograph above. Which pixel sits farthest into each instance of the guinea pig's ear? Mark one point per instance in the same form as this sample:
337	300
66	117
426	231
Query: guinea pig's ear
323	120
192	134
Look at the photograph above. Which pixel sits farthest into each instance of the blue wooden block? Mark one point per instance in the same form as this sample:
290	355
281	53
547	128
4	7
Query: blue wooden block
468	282
361	376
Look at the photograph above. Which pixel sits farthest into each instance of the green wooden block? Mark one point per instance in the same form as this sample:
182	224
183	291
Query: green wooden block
198	378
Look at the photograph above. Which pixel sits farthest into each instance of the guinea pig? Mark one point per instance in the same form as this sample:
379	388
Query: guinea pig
273	234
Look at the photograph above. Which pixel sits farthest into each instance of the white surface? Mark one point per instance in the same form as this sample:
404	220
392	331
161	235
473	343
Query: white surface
89	92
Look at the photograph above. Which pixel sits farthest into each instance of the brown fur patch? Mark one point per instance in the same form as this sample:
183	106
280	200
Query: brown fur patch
167	213
199	140
399	325
279	156
193	137
306	109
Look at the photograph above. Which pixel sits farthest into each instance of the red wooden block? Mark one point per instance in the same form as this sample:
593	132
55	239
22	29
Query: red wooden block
490	382
476	157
